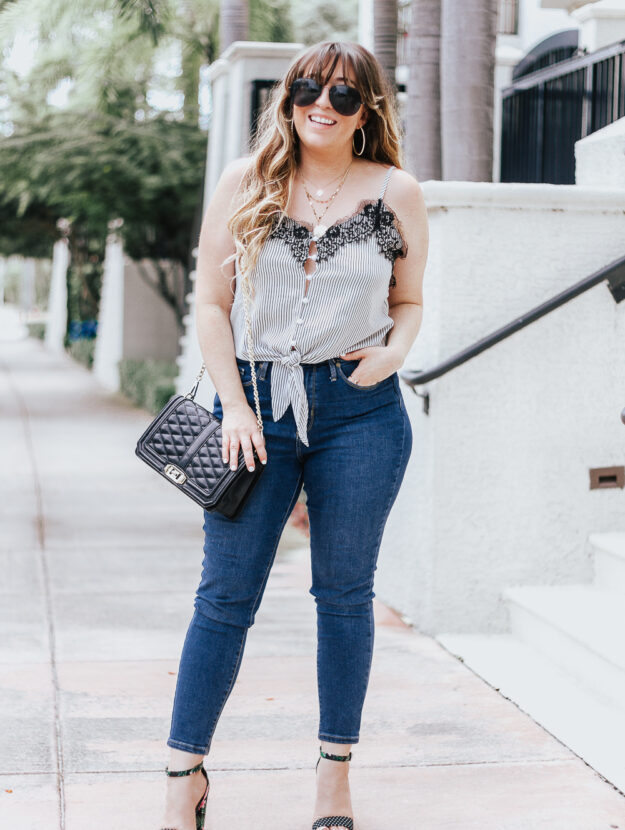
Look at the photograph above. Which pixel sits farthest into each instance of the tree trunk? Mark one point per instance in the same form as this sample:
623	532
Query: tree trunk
385	28
467	89
233	22
191	65
423	109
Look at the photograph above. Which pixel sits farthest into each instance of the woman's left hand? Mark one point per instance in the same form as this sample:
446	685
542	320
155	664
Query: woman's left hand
376	364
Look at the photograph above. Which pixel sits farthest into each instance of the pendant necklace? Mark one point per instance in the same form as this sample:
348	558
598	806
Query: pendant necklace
319	229
321	190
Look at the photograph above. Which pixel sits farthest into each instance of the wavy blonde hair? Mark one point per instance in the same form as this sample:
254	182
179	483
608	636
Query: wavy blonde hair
268	181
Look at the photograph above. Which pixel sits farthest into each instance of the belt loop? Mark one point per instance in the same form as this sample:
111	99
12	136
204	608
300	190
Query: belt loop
332	369
263	370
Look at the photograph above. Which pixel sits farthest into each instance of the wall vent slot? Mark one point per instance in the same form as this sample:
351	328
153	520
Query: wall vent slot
602	477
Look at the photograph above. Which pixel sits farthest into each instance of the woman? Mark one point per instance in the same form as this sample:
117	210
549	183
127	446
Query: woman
328	238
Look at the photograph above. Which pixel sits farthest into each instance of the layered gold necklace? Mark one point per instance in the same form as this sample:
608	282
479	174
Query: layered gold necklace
320	229
320	190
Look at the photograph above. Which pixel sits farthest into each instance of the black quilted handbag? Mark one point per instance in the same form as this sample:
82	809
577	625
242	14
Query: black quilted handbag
183	444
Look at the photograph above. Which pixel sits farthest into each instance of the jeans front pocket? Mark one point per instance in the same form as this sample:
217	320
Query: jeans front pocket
351	365
245	372
246	375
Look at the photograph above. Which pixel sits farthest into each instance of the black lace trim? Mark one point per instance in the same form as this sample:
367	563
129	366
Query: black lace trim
372	217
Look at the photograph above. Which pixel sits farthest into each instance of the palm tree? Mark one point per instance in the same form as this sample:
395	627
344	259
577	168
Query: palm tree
196	27
467	68
113	69
109	70
385	35
233	22
423	110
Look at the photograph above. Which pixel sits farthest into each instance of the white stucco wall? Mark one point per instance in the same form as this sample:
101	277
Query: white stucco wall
497	489
568	5
149	325
536	22
599	157
602	23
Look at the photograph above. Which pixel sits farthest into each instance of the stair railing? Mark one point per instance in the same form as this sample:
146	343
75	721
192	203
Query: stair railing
613	273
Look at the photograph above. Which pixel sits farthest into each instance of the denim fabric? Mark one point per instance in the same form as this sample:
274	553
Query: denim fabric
360	442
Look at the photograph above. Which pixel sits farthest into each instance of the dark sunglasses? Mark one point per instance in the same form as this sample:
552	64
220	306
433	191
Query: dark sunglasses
345	99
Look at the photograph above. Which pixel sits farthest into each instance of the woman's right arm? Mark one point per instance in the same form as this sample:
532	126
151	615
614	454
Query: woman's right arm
213	301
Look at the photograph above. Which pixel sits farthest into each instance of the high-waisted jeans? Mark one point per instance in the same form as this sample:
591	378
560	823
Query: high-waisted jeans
360	440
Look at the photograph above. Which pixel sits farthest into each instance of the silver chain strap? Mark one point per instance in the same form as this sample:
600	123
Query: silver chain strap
250	345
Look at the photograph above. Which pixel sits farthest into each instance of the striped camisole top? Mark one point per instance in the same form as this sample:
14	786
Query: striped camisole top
308	318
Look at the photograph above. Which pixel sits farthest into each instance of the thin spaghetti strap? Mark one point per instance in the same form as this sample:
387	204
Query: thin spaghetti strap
385	182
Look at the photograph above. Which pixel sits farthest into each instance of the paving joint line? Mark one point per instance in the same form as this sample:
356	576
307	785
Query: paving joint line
210	768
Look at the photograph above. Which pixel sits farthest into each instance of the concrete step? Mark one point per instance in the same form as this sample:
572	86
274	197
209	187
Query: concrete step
589	724
609	558
579	628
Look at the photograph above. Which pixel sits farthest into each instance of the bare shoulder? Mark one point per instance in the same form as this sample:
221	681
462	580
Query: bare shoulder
404	194
230	180
234	171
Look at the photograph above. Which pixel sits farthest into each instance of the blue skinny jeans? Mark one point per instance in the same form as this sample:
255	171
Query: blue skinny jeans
360	440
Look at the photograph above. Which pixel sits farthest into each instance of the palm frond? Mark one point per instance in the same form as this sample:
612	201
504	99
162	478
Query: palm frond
150	14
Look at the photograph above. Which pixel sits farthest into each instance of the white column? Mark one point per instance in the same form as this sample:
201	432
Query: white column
27	285
218	77
109	342
190	359
365	24
56	324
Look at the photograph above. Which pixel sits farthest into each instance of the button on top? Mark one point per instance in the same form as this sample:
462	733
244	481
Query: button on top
305	300
300	320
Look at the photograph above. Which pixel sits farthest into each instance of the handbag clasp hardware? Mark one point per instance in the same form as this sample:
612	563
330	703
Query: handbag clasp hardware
175	474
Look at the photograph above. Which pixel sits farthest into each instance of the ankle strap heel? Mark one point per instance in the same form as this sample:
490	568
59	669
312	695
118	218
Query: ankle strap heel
185	771
333	821
200	807
335	757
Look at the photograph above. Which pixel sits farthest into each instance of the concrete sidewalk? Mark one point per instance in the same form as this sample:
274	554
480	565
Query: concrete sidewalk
99	561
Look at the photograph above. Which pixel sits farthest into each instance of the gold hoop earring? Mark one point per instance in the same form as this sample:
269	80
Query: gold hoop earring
362	149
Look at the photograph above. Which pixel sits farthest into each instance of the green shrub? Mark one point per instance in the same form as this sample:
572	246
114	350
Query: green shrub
82	350
148	383
161	393
37	330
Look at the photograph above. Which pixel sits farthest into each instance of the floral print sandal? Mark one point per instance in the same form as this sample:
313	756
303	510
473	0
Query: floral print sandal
333	821
200	807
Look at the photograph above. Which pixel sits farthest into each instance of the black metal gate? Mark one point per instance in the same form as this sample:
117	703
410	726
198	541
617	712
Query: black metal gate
546	112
